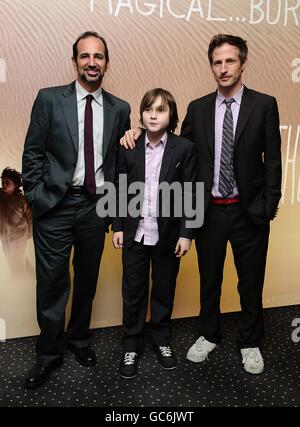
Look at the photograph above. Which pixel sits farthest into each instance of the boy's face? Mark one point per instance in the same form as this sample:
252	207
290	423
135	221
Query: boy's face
8	186
156	117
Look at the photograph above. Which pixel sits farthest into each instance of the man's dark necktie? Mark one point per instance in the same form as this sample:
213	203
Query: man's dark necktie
89	179
226	179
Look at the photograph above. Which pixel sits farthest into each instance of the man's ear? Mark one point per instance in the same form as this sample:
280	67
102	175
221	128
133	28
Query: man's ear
244	66
74	63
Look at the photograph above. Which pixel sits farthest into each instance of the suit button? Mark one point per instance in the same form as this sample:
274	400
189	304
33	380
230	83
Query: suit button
212	167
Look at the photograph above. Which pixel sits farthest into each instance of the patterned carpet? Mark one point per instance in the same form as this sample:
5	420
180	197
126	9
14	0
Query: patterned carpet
218	382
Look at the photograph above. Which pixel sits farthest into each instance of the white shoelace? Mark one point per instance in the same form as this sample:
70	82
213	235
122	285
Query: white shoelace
252	355
129	358
199	343
165	351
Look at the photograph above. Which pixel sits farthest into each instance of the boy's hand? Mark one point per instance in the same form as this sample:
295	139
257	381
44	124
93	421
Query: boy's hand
129	138
182	247
118	239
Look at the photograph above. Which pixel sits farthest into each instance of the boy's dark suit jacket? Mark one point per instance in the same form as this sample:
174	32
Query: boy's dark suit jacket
179	164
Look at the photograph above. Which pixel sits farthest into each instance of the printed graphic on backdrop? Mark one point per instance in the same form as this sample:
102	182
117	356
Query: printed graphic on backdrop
2	71
15	222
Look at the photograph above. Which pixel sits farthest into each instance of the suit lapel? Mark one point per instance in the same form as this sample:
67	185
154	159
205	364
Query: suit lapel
209	122
246	108
69	106
140	158
167	157
108	121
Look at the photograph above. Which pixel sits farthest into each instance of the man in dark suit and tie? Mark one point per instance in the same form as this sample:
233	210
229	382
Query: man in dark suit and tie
236	132
70	152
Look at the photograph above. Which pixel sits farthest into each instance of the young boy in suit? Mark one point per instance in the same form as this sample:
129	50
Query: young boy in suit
160	157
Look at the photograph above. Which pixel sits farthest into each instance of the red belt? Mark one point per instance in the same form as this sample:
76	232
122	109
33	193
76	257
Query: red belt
225	201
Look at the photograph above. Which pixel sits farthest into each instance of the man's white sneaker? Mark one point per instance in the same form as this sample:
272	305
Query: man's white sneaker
199	351
252	360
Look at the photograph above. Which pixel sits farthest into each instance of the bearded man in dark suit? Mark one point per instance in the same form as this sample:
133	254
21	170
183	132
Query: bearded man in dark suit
70	152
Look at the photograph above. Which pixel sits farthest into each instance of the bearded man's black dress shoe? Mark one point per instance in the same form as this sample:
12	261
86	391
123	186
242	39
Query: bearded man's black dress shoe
85	356
40	373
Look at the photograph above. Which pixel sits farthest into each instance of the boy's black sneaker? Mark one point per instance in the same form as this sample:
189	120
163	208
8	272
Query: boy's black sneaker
166	356
128	366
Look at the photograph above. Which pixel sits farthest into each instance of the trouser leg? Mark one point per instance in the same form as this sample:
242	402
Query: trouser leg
53	238
165	268
211	243
250	244
89	237
136	264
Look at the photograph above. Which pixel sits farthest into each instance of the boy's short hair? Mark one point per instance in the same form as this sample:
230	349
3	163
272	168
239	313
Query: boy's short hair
14	175
167	98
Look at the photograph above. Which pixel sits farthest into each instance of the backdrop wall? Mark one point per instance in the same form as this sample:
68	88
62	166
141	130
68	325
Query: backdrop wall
152	43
